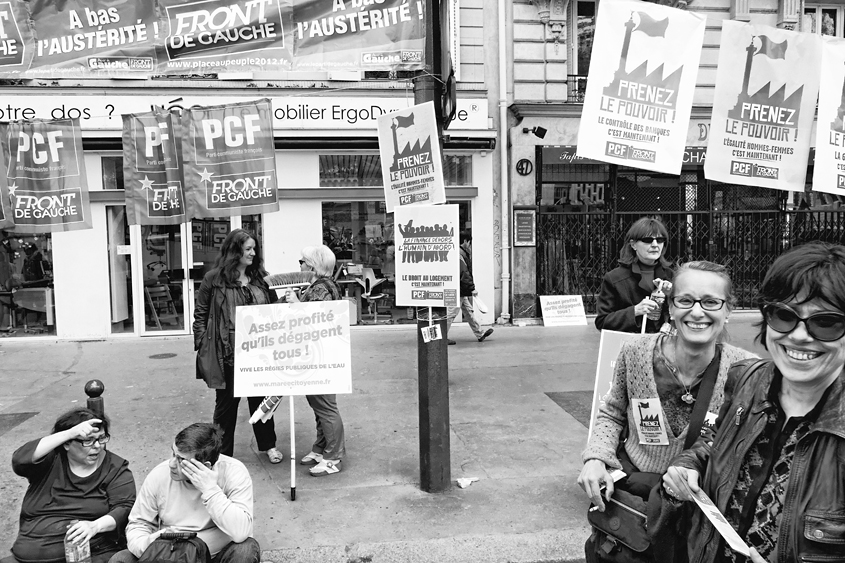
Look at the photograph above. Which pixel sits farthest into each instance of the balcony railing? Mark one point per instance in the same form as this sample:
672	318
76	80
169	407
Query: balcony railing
576	87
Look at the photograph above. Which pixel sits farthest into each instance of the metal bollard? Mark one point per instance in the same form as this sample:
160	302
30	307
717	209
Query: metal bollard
94	389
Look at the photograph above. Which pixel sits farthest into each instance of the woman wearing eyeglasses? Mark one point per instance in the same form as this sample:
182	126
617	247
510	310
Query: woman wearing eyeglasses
776	468
75	485
645	419
625	294
236	280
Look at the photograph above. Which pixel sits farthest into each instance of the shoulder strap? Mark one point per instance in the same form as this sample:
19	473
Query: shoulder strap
748	371
702	401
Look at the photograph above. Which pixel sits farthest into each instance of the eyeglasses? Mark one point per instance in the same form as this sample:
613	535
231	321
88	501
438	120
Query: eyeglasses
649	240
301	262
708	303
101	440
824	327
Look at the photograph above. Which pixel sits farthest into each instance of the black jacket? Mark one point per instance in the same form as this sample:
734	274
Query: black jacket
467	284
812	524
212	313
620	292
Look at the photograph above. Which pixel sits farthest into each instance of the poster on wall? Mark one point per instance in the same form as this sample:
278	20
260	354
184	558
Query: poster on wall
411	163
16	40
93	38
427	256
637	112
230	160
293	349
6	220
152	169
767	82
829	166
45	168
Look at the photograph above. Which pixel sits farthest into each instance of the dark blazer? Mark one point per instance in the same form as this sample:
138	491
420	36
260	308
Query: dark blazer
620	292
213	323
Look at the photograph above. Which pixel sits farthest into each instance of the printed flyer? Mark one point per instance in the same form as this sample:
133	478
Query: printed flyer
829	167
427	256
609	347
767	82
293	349
230	161
563	310
411	164
637	112
152	169
46	175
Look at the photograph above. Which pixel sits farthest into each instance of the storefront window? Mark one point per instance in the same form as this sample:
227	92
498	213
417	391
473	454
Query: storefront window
27	305
120	269
364	170
112	172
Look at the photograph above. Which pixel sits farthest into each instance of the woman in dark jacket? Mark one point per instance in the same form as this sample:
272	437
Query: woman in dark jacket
237	279
776	468
626	290
328	450
76	486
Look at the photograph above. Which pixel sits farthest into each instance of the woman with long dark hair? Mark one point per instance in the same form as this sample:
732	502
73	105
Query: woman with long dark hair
237	279
626	290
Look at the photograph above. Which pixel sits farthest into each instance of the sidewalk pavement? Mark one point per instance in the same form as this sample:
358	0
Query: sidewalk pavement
519	405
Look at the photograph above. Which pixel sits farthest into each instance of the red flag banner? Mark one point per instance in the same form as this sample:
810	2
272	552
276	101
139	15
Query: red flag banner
46	173
152	169
16	38
230	163
771	49
6	220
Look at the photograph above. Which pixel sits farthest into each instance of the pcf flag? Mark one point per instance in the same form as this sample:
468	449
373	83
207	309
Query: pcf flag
6	221
637	112
16	37
152	169
46	173
411	165
763	107
230	163
829	168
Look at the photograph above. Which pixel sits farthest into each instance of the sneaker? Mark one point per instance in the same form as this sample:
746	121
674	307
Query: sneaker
487	333
275	456
311	459
452	342
326	467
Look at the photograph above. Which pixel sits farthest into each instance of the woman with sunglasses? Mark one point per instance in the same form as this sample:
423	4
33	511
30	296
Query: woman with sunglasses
776	468
625	294
76	486
327	453
237	279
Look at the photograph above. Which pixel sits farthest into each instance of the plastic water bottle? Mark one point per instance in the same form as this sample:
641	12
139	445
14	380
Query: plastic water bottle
77	552
658	297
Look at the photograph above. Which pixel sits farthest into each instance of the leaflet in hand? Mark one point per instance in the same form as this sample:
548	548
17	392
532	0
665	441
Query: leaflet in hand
718	520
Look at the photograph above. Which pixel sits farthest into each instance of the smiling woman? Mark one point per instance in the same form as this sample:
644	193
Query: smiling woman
776	461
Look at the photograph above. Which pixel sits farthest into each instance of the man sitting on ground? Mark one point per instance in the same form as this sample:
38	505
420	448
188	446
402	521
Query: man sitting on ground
197	490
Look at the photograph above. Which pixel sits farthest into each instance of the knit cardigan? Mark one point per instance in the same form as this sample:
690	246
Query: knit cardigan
633	378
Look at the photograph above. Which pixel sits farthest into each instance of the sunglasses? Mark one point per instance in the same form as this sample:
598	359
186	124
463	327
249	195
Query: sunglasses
824	327
301	262
88	443
649	240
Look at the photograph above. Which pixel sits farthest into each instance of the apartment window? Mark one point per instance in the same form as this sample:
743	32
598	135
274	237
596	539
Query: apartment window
824	19
586	32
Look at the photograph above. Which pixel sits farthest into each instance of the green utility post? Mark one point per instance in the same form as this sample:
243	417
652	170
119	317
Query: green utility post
433	357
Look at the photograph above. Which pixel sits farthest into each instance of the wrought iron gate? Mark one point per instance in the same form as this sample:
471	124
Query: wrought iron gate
744	228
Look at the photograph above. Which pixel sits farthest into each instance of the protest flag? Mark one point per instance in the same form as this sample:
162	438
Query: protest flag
6	217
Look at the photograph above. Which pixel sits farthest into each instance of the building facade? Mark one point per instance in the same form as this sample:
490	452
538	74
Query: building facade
579	209
116	280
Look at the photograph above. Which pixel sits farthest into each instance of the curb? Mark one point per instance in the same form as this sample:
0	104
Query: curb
552	546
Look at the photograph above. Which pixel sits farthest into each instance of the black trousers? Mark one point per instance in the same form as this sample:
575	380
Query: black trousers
226	415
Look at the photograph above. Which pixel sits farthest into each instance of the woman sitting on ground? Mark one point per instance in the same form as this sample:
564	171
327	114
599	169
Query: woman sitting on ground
76	486
662	374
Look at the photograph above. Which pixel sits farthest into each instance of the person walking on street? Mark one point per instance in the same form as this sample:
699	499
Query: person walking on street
237	279
467	288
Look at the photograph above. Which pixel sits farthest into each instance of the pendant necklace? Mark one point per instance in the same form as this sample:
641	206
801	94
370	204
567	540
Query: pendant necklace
687	397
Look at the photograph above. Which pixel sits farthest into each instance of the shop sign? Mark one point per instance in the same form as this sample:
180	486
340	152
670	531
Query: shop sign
524	227
230	163
306	113
46	174
427	256
411	164
293	349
